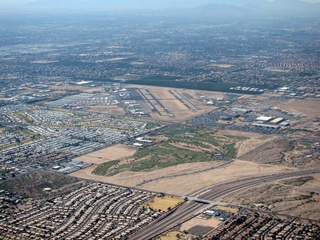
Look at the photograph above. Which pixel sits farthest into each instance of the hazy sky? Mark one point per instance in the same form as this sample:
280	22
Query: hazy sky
20	2
17	4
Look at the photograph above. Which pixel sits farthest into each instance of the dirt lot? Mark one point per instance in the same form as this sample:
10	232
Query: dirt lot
162	93
311	186
273	152
296	197
131	179
211	222
299	149
164	203
175	106
114	110
253	140
306	106
108	154
239	169
180	185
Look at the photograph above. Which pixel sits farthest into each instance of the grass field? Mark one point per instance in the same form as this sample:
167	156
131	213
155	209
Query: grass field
24	117
174	146
105	167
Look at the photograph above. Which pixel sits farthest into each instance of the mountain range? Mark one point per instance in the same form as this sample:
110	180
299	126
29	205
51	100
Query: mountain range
241	8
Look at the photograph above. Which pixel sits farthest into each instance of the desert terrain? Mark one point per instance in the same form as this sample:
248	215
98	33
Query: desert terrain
257	154
167	179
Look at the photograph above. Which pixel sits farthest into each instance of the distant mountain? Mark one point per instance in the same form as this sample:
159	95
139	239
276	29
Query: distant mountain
117	4
213	8
260	8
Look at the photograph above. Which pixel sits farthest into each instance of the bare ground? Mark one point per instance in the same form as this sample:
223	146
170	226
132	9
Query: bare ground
296	197
128	178
237	170
211	222
114	110
253	140
180	185
306	106
272	152
108	154
32	185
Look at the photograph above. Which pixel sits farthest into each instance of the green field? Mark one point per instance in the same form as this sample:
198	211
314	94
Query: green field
103	168
24	117
180	145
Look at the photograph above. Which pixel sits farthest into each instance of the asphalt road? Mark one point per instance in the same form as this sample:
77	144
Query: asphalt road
216	192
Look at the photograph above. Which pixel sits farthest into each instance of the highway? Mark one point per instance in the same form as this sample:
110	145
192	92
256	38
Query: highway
214	193
180	215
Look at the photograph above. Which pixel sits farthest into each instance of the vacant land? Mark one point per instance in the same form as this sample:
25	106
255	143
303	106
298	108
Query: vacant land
210	222
272	152
164	203
250	142
129	178
299	149
32	185
113	110
306	106
178	157
172	236
179	183
296	197
108	154
239	169
175	146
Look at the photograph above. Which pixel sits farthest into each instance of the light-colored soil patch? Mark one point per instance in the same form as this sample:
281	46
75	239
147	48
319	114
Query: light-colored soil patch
311	125
114	110
137	63
206	94
210	222
178	116
162	94
295	197
163	203
174	105
187	184
44	61
237	170
170	236
108	154
86	173
116	59
311	186
306	106
221	65
253	140
94	90
227	209
131	179
58	92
